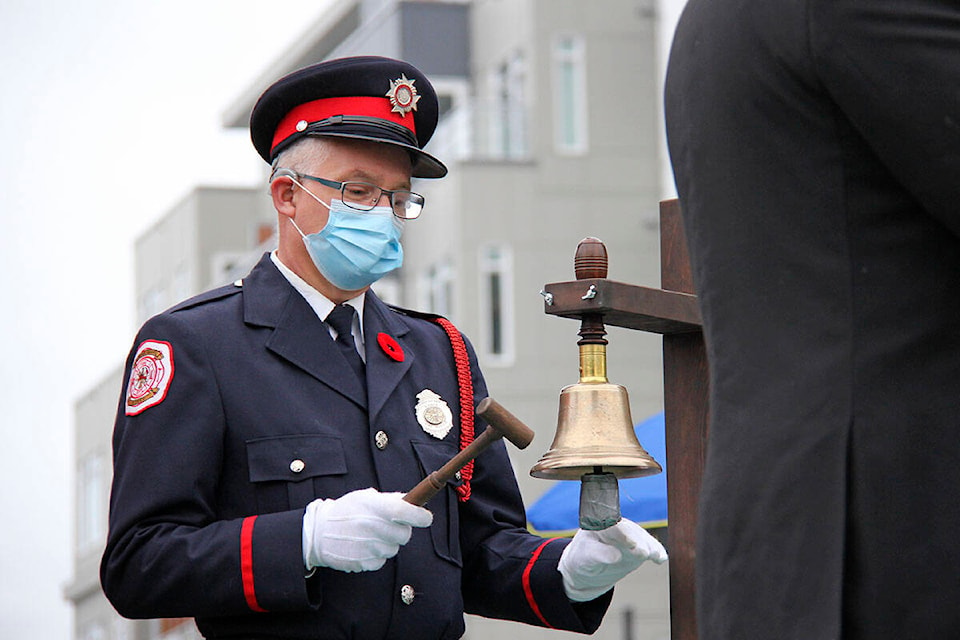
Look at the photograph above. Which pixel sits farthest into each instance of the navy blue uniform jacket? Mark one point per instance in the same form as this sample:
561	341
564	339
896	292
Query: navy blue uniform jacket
206	510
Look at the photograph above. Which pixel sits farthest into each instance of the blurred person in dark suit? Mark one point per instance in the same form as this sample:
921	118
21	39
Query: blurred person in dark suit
816	150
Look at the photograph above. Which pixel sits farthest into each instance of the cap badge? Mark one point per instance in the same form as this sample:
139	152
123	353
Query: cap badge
403	95
433	414
150	376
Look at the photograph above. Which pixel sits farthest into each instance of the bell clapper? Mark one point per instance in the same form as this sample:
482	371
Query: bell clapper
599	500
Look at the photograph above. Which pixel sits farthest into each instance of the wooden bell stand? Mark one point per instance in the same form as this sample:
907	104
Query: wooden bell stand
673	312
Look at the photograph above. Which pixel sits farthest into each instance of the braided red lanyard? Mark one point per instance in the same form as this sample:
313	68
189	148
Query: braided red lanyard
465	382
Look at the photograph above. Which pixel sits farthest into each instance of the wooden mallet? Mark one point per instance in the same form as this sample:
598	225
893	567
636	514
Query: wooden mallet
500	424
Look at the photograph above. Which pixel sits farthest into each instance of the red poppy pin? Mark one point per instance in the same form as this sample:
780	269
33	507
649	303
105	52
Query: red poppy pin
390	346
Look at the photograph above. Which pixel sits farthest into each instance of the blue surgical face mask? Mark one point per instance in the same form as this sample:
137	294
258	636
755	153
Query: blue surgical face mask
355	248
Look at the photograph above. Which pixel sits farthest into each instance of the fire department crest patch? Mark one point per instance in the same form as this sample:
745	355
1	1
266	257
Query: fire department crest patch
150	376
433	414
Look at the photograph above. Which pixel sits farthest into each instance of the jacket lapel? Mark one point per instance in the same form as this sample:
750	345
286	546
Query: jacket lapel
384	372
298	335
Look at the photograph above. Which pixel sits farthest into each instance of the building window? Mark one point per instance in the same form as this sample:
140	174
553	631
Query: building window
508	136
454	137
570	94
496	304
436	289
91	502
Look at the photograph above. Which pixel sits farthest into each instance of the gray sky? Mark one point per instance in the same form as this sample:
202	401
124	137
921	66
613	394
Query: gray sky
109	114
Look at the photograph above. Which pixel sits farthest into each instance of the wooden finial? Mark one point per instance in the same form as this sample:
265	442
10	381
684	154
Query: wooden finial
591	259
590	262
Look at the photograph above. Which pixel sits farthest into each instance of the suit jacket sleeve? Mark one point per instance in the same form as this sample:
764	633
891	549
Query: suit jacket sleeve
169	552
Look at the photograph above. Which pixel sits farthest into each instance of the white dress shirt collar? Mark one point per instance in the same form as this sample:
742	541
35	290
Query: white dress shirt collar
320	304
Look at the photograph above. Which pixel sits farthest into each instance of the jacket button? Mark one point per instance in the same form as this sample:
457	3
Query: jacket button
381	440
407	594
297	466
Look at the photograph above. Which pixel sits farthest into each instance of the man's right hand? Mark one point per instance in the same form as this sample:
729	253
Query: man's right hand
359	531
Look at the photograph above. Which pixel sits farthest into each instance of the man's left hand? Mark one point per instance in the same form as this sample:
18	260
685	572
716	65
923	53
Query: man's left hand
595	560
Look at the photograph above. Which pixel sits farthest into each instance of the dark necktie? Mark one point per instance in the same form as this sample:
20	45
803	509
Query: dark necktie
341	319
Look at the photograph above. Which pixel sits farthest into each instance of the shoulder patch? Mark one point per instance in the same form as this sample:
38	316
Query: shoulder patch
150	376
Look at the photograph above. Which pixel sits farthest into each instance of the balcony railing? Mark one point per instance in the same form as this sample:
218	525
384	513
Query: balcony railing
480	130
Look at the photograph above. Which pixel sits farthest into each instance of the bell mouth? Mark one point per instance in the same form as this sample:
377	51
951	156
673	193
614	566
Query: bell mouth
568	464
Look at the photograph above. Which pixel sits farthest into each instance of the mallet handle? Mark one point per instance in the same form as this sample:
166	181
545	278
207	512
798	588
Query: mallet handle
500	421
429	486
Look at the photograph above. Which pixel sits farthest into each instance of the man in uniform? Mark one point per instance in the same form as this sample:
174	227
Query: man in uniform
816	147
269	429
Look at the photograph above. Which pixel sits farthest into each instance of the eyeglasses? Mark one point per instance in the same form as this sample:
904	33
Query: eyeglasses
364	196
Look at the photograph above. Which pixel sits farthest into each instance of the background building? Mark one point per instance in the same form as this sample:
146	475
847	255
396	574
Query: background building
550	130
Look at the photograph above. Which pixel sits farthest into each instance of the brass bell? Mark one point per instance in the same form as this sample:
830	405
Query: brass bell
595	440
594	429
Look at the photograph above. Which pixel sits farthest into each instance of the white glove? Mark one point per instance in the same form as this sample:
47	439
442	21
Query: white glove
596	560
359	531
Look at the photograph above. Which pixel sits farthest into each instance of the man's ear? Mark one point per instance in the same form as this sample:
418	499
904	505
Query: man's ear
281	190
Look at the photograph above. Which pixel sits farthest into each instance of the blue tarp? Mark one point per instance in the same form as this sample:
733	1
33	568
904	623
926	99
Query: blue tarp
643	500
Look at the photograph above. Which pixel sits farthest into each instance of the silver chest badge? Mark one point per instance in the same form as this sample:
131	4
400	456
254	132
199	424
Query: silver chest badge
433	414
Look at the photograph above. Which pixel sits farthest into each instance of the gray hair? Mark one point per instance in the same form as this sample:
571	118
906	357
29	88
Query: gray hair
302	156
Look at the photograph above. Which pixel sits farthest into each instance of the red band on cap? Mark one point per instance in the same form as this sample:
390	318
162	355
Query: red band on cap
317	110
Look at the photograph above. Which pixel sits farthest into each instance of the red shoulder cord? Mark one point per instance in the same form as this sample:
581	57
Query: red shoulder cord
465	381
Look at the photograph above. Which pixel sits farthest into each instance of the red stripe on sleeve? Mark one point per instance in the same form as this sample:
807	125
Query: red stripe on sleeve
246	563
528	590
